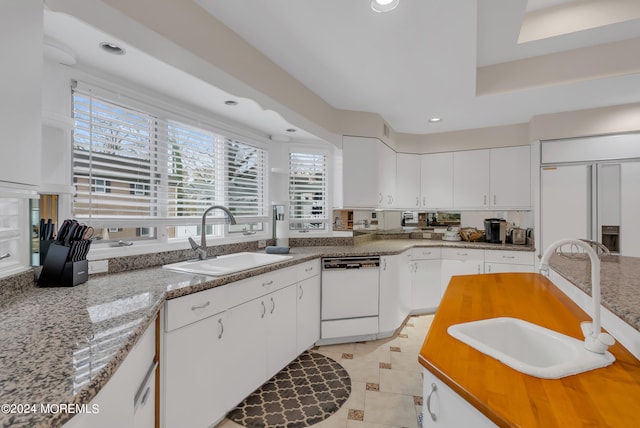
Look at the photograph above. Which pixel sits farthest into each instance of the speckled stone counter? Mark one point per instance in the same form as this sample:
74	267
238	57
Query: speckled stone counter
61	345
619	282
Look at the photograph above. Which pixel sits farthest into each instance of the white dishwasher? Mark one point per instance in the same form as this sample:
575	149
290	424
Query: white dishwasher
350	298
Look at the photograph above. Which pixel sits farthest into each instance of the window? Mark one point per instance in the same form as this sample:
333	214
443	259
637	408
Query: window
137	169
308	191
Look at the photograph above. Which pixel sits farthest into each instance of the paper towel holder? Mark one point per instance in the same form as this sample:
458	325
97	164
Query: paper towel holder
278	215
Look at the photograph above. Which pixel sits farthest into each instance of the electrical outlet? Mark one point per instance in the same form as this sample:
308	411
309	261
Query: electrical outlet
98	266
262	243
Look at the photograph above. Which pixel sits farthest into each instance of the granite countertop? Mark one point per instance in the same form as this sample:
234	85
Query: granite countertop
619	282
61	345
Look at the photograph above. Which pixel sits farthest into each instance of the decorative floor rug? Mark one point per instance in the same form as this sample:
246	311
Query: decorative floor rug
307	391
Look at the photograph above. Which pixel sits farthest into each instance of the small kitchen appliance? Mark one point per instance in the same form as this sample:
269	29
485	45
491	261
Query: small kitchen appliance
495	230
518	236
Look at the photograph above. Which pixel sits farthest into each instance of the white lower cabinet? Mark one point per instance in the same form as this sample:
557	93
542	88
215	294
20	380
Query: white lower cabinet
442	407
497	261
128	398
425	280
460	261
308	313
194	368
261	341
395	292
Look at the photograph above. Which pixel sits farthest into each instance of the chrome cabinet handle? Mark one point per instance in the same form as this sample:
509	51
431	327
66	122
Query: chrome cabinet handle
5	256
385	265
301	292
380	198
485	200
273	305
434	388
264	309
309	269
462	254
494	199
264	284
195	308
489	268
221	325
479	268
417	201
424	200
508	257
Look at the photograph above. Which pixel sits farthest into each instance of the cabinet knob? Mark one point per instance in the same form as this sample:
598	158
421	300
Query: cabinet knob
434	388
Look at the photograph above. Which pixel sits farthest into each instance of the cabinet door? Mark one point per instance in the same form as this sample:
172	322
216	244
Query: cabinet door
247	348
308	313
436	182
281	329
389	309
630	210
565	208
461	261
425	291
442	407
195	375
471	178
360	174
511	177
408	181
387	176
21	31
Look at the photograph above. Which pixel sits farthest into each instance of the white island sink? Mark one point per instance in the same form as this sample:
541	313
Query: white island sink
529	348
227	264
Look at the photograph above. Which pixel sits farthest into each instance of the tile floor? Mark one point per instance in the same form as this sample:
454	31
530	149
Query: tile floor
386	380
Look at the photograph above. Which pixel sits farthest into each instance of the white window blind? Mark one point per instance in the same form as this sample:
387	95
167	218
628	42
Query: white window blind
148	166
307	191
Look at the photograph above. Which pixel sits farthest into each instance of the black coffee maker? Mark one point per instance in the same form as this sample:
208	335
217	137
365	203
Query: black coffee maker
495	230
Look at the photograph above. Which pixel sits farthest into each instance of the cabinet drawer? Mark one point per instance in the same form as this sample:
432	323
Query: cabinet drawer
195	307
462	254
426	253
512	257
251	288
307	270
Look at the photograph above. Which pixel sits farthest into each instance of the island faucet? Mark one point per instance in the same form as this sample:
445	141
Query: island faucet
594	339
201	249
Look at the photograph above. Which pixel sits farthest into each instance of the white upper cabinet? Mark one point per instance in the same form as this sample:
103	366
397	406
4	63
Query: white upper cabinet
408	181
21	34
436	183
369	173
492	178
511	177
471	177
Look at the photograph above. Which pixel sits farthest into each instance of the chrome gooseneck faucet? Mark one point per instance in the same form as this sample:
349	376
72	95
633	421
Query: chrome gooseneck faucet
594	339
202	248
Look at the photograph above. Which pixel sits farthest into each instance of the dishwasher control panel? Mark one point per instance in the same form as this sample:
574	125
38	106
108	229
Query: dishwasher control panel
343	263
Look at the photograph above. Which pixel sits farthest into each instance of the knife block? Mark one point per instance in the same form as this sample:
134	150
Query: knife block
58	272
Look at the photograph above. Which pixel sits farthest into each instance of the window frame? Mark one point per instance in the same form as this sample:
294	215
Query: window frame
189	117
312	149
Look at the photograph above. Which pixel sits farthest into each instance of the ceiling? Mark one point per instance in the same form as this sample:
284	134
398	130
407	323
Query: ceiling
421	60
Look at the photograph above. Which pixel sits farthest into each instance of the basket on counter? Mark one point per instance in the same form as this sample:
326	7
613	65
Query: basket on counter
471	234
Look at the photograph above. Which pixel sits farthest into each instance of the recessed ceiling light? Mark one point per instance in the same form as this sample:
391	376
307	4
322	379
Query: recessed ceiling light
291	130
112	48
231	103
384	5
435	119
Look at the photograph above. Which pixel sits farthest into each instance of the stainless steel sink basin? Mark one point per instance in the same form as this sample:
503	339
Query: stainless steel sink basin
529	348
225	265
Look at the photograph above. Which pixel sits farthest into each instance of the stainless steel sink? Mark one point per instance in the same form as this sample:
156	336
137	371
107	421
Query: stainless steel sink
529	348
228	264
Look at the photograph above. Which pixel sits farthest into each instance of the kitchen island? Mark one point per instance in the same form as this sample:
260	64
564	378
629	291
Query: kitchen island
606	397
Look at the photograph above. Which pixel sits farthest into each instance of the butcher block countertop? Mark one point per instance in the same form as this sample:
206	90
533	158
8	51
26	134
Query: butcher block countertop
606	397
